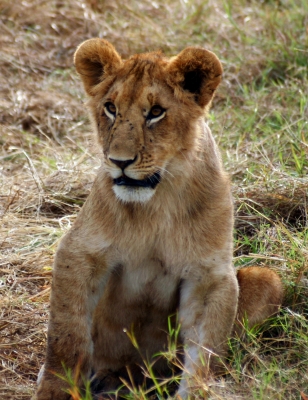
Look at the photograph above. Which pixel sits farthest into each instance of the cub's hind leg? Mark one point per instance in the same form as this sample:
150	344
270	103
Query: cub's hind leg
260	296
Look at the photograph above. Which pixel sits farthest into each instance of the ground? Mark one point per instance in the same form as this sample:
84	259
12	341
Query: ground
48	158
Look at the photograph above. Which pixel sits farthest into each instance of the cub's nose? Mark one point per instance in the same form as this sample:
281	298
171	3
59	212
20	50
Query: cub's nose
122	163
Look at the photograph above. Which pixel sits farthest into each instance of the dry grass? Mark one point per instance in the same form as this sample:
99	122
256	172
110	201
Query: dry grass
48	159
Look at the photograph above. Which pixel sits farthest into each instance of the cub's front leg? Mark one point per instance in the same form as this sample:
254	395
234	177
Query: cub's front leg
208	306
76	288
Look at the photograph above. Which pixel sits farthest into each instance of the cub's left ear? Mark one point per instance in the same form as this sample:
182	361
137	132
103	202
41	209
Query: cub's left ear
197	71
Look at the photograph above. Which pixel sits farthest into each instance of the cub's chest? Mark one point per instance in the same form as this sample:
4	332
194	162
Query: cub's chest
148	282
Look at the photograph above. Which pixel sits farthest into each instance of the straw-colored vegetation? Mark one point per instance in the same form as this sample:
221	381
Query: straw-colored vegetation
48	158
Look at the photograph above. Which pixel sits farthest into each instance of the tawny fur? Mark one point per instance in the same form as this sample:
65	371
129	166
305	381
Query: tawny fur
260	295
137	255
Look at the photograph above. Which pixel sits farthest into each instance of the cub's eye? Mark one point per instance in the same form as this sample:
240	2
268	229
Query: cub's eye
110	109
156	112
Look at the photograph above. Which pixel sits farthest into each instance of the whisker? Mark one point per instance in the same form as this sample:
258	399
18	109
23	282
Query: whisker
164	170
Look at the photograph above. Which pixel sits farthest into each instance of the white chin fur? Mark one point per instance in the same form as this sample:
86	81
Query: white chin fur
133	194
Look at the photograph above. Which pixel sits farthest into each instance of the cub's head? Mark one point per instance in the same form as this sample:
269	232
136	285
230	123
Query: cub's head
146	111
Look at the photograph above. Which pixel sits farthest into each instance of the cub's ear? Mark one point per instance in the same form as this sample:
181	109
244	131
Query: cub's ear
94	59
197	71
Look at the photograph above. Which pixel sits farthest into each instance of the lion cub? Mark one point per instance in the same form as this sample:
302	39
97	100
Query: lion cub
154	237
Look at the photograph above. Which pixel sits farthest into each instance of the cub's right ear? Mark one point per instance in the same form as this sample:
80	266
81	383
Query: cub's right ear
94	59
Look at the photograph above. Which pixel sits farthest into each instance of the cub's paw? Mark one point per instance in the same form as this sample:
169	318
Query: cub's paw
51	389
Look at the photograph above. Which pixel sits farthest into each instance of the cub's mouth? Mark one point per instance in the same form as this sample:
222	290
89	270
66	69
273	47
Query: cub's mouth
150	182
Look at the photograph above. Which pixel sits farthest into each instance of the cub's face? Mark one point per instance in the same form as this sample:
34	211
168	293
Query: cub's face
139	125
145	111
